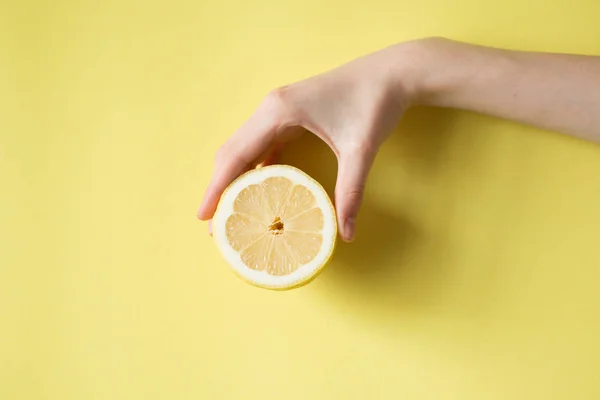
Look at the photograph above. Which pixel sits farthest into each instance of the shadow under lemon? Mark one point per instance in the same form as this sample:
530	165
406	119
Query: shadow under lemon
396	265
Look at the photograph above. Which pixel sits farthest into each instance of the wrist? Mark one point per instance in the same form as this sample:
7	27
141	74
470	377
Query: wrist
408	70
443	73
422	71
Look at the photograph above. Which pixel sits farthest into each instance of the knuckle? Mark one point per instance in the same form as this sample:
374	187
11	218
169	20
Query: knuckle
361	144
363	147
278	104
360	154
278	96
355	194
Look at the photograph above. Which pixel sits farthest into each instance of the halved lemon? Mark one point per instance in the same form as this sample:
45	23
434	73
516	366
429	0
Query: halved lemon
276	227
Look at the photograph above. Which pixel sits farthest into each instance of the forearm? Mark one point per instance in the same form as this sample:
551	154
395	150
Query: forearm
552	91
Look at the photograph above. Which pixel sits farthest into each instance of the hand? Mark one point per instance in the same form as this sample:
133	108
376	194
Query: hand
353	109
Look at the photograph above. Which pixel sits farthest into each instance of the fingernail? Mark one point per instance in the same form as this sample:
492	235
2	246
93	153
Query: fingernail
349	229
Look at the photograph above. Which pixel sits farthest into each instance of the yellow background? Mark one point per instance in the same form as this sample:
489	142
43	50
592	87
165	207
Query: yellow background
474	276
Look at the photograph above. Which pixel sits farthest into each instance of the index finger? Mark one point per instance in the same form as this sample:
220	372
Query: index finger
237	155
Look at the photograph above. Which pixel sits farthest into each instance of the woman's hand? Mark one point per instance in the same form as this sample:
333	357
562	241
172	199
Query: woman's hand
353	109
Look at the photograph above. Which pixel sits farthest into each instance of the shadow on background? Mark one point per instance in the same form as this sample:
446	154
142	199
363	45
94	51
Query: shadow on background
401	260
418	146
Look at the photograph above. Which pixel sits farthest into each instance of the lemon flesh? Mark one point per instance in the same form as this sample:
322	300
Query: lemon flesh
276	227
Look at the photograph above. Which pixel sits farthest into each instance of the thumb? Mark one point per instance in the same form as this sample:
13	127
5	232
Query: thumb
353	170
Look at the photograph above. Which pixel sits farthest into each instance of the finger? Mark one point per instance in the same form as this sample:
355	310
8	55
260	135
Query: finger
273	156
215	189
353	170
239	152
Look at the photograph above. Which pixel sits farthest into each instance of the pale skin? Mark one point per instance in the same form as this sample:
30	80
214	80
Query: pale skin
356	106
